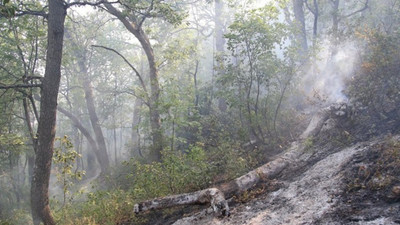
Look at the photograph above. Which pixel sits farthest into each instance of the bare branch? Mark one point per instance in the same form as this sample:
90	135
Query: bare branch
146	14
82	3
15	86
130	65
132	92
7	71
358	11
309	7
27	11
28	78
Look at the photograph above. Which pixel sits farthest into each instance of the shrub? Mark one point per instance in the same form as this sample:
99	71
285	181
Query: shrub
376	85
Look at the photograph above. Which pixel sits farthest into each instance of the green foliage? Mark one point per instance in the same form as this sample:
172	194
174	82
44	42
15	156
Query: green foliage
18	216
7	9
11	146
101	207
177	173
256	79
376	85
155	9
64	159
308	143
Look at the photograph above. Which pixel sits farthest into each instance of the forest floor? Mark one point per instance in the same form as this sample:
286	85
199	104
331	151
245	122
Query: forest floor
326	186
342	176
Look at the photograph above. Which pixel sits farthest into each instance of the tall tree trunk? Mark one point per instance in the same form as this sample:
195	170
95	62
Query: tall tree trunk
315	26
301	25
135	136
48	111
115	123
155	121
99	148
30	156
101	155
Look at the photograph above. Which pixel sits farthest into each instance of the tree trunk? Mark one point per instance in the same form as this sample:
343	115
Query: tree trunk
48	111
300	24
101	152
135	136
155	121
30	156
315	25
99	147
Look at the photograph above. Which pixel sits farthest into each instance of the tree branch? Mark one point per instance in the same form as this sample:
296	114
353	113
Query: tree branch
360	10
130	65
309	8
79	3
15	86
7	71
28	11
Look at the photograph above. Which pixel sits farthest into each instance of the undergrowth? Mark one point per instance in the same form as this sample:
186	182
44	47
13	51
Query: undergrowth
179	172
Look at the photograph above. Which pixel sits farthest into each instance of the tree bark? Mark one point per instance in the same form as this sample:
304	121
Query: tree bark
135	135
315	26
101	152
315	11
301	25
99	147
48	111
155	121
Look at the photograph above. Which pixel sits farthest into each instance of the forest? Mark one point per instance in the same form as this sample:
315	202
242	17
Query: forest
114	111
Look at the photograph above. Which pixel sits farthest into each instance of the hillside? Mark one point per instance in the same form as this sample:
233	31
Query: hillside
331	182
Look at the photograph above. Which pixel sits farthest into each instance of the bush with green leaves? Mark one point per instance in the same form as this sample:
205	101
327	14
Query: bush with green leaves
64	159
376	85
178	172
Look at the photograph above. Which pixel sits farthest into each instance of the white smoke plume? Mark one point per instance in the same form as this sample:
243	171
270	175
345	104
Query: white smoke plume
326	77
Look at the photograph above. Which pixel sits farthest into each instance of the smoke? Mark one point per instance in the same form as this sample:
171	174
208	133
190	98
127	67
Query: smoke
325	80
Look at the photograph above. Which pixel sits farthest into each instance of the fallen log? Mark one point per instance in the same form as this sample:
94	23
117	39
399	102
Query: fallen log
217	196
211	195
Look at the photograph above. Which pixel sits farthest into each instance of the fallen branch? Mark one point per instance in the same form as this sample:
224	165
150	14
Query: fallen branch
211	195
